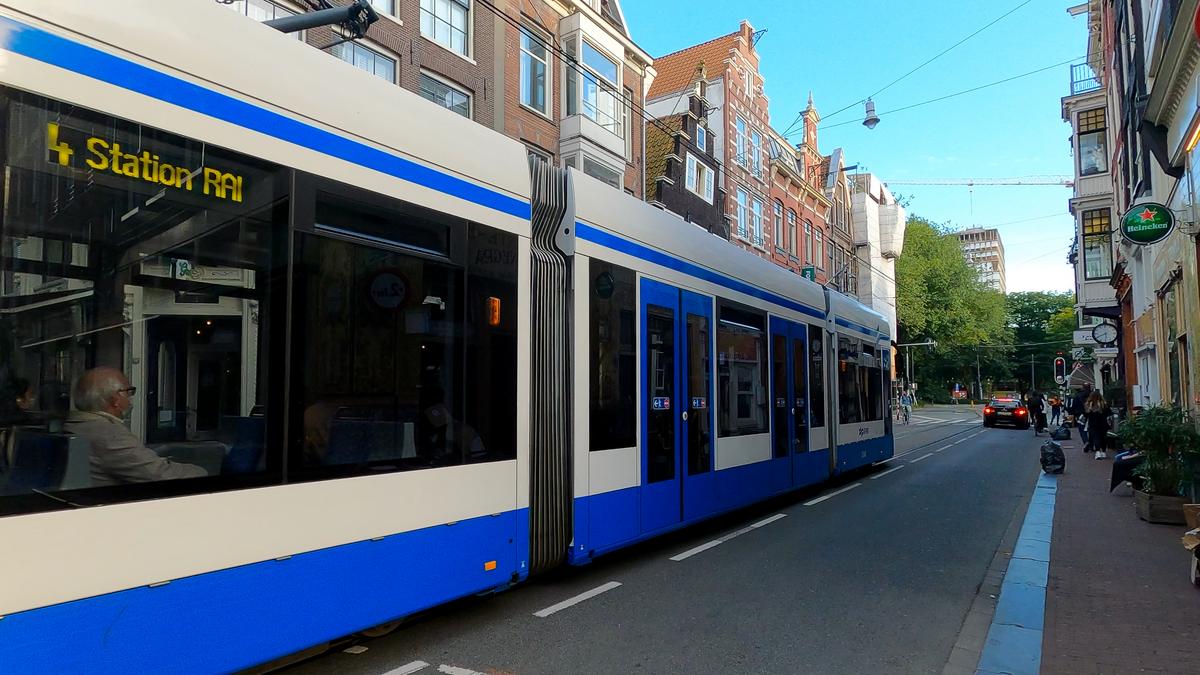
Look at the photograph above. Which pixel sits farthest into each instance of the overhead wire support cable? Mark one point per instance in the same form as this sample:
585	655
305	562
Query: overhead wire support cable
922	65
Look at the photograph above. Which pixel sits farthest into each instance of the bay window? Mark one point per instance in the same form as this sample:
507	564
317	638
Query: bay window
1093	142
591	81
1097	244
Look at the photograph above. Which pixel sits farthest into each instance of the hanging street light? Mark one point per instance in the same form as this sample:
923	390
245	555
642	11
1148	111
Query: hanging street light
871	119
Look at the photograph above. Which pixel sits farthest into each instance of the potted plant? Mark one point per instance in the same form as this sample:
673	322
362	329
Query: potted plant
1170	444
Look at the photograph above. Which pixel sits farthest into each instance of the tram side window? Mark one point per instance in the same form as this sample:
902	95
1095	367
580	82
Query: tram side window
816	376
870	384
138	297
849	387
741	371
612	356
404	360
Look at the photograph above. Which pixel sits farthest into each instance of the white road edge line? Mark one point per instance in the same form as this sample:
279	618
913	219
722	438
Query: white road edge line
408	668
693	551
944	447
835	493
770	520
543	613
925	456
881	475
455	670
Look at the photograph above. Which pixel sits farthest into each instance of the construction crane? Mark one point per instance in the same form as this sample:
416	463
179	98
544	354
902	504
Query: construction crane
1062	181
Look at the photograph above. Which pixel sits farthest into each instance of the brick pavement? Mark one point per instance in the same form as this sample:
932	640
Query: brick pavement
1098	619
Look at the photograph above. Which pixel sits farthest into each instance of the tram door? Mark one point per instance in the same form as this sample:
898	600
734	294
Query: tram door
677	416
789	409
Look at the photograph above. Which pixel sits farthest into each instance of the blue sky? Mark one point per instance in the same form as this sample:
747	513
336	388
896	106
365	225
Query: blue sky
845	51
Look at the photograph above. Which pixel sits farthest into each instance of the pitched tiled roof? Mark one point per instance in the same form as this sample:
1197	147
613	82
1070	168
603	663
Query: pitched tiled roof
678	70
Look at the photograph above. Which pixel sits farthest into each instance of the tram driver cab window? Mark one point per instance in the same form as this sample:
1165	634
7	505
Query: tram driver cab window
136	281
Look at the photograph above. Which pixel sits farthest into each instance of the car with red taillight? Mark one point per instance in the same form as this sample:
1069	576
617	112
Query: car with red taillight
1006	411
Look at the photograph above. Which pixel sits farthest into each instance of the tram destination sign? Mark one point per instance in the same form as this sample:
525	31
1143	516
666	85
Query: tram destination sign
1147	223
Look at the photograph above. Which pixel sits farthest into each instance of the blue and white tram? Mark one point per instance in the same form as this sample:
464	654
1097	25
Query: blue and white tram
401	370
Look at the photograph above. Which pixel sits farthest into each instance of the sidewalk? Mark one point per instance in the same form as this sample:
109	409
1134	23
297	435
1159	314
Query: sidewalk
1118	599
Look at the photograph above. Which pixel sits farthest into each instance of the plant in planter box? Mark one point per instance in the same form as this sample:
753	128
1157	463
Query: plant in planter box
1170	445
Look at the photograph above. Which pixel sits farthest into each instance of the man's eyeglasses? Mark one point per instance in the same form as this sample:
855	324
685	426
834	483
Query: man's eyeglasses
129	390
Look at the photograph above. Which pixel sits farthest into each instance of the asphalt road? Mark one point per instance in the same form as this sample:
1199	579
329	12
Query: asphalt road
875	578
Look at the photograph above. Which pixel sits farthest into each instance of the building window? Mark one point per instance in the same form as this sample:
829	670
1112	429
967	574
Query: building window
613	356
741	371
385	6
701	138
262	10
756	153
540	155
699	178
741	142
779	241
808	242
791	236
367	59
446	23
597	170
591	82
743	212
1093	142
535	71
819	246
1097	244
756	209
445	95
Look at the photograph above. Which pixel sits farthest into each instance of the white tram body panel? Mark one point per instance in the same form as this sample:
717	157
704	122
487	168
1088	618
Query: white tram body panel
69	555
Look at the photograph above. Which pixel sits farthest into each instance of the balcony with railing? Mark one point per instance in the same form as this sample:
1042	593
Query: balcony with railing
1084	78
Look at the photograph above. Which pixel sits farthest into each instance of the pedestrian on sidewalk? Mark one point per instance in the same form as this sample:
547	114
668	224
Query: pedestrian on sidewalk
1076	410
1097	412
1056	406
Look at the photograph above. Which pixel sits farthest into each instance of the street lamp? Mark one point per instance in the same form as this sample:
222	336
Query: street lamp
871	119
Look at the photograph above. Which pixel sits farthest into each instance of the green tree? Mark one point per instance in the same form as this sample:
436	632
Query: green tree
1043	325
939	297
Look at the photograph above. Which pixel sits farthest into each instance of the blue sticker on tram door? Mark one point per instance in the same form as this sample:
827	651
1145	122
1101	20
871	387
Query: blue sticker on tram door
699	403
661	403
781	403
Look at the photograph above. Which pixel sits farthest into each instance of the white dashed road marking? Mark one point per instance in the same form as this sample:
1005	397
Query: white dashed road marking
408	668
835	493
693	551
944	447
770	520
881	475
455	670
925	456
543	613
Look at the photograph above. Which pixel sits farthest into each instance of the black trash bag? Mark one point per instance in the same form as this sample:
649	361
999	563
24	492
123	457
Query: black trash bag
1061	434
1053	460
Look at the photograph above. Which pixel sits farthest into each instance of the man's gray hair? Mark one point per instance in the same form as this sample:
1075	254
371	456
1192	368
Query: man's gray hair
96	387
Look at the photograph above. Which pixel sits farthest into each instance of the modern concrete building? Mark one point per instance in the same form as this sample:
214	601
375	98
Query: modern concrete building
983	248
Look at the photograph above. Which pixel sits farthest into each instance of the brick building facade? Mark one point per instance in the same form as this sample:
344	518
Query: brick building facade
682	165
563	77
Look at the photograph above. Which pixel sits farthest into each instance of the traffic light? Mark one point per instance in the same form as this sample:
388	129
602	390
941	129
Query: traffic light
1060	370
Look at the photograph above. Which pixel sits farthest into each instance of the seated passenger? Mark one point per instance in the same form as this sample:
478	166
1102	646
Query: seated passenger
102	396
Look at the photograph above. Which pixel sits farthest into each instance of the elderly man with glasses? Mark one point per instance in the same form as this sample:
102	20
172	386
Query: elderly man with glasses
102	398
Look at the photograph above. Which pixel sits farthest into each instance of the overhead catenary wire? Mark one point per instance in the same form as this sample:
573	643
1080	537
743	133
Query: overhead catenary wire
922	65
958	93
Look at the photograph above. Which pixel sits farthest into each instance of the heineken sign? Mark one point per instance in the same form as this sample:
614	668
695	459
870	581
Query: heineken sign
1147	223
